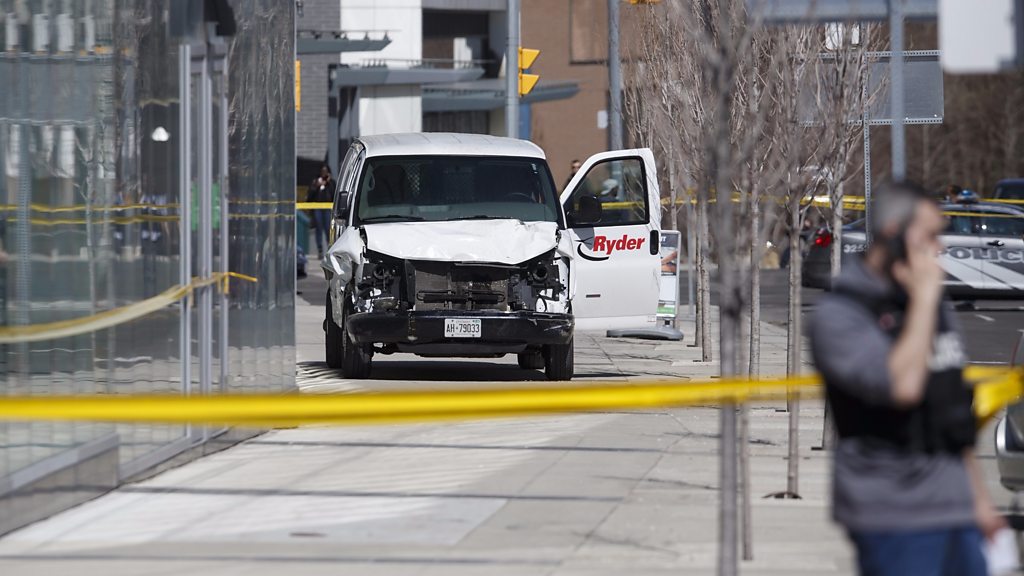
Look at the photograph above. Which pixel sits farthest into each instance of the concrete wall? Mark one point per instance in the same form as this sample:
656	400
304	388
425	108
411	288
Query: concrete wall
386	109
565	129
390	109
311	121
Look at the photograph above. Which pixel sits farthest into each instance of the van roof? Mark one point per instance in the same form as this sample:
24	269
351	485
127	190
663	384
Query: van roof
447	144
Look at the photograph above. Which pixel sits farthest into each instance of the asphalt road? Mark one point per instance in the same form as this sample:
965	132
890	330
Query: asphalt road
991	327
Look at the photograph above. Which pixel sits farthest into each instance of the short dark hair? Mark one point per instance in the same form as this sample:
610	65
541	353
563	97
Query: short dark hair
896	203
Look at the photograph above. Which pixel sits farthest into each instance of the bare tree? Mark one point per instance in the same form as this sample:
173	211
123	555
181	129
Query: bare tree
724	99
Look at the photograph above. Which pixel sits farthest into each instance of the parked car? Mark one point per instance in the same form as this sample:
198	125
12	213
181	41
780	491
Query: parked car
984	255
1010	189
460	245
817	263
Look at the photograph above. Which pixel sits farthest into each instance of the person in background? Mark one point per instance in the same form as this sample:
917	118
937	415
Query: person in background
321	190
906	485
952	192
574	167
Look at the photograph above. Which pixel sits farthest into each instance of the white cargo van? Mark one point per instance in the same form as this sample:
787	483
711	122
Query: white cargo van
458	245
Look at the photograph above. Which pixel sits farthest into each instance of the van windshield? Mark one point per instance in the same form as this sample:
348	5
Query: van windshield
443	188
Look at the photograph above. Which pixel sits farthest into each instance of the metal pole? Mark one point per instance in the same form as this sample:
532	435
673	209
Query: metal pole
512	72
614	78
185	211
333	123
899	143
224	236
205	226
867	177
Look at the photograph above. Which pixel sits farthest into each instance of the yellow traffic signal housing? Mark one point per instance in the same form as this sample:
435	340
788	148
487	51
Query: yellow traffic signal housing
527	81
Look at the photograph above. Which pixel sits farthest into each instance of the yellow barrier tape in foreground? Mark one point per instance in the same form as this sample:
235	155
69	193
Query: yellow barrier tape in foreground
110	318
392	407
314	205
997	388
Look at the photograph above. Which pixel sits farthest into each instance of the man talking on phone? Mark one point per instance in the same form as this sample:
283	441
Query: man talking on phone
906	485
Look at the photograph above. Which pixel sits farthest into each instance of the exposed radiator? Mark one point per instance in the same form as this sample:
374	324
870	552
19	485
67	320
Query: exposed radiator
442	286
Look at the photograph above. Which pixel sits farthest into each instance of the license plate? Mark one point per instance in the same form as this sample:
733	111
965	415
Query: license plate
462	327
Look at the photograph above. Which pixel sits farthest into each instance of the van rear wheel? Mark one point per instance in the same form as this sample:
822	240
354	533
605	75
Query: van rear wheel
558	361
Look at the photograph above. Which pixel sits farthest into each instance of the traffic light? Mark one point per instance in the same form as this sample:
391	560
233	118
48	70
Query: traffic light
527	81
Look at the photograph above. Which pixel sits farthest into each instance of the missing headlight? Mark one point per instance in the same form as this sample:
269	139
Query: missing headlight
381	282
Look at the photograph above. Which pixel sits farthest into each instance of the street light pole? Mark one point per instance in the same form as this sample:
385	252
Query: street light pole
614	78
512	72
896	65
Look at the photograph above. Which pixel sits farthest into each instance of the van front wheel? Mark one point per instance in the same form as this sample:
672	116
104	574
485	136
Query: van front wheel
532	360
558	361
355	358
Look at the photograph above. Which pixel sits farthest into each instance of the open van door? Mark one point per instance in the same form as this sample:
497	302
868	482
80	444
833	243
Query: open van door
613	213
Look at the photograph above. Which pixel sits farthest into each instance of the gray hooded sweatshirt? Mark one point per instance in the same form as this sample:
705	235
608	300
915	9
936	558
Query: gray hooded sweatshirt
881	488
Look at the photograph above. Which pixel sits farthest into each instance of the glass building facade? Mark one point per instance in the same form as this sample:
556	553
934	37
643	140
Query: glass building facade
142	145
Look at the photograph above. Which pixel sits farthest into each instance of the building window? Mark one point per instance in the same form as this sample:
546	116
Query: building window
588	31
464	122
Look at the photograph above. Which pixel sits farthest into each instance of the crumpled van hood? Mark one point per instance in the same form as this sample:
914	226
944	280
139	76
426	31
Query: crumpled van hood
497	241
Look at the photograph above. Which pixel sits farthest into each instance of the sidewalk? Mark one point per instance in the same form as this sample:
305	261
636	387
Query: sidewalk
596	494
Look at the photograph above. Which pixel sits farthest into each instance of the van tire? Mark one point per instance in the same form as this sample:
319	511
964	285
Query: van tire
532	360
558	361
333	338
355	359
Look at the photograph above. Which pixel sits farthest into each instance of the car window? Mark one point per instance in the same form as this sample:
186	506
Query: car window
345	172
1003	225
619	185
962	225
440	188
1010	191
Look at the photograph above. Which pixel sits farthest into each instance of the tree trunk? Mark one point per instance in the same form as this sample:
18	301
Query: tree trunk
730	299
836	261
793	347
704	279
755	283
747	536
674	222
753	366
750	252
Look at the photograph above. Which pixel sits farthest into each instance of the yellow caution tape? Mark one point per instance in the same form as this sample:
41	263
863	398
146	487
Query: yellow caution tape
996	390
314	205
114	317
391	407
982	214
82	208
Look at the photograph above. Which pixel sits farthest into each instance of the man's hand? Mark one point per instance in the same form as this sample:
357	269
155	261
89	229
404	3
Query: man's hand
989	521
921	277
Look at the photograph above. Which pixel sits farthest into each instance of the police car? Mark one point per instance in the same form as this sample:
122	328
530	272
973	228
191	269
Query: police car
984	253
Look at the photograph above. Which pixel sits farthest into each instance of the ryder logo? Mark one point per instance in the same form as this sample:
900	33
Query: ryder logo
604	246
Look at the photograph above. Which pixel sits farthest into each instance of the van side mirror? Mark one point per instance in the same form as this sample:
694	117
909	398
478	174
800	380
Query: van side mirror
341	206
588	211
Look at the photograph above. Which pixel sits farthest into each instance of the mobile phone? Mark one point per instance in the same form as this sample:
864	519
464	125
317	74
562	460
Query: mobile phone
897	246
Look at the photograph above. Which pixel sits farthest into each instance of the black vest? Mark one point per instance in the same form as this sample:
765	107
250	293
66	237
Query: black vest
942	422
